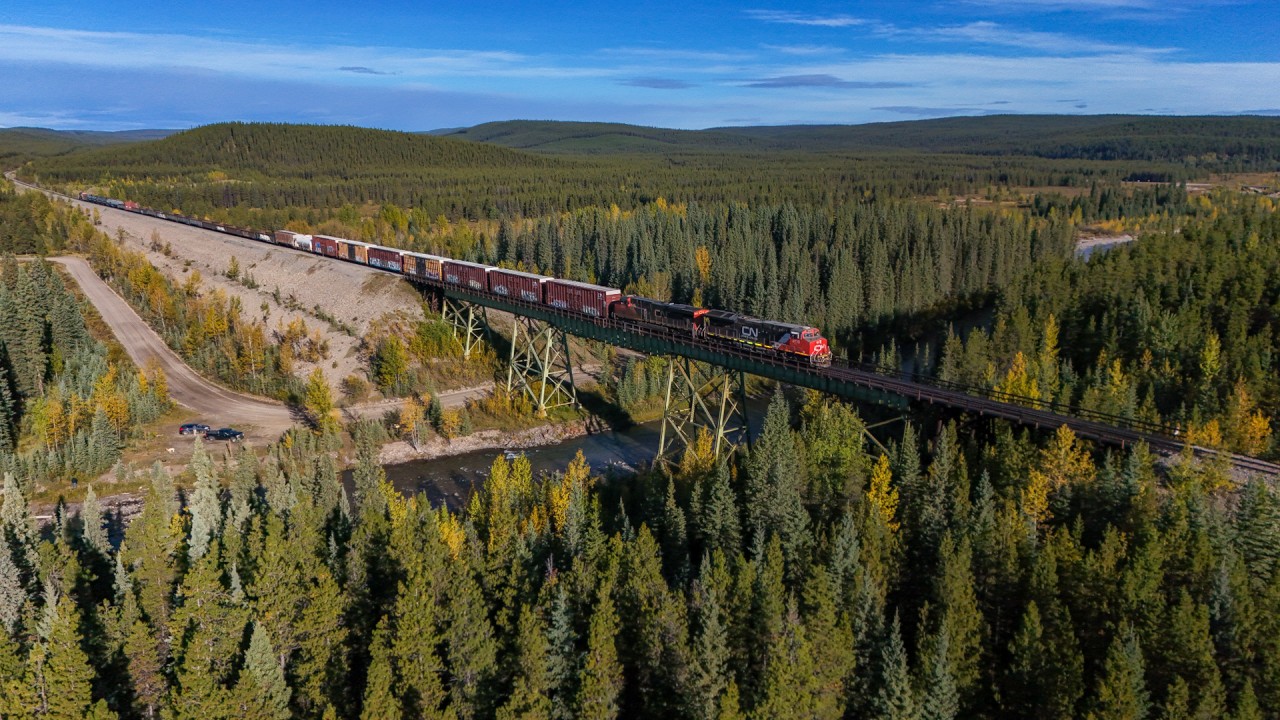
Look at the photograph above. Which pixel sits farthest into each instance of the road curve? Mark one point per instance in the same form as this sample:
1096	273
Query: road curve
217	405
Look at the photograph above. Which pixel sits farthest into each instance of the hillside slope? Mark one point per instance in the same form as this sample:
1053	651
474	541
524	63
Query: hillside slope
278	150
1253	141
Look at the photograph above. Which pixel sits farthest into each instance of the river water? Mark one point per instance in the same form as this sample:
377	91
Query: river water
451	480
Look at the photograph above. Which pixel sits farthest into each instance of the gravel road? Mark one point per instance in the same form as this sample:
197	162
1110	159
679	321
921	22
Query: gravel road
217	405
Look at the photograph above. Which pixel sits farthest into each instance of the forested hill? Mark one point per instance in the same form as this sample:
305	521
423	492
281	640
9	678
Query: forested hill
605	138
23	143
1247	141
279	150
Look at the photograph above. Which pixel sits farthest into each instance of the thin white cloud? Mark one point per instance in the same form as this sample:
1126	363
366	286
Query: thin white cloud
990	33
1071	4
804	50
663	53
267	60
787	17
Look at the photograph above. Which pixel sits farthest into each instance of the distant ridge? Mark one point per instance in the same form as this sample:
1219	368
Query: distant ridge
281	150
18	144
1250	139
552	136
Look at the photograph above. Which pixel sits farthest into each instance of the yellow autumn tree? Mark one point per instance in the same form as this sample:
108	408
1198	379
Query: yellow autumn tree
881	494
1018	381
1248	429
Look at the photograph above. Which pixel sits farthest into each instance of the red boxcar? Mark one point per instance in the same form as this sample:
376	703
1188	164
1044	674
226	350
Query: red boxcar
385	258
130	205
325	245
515	284
466	274
579	297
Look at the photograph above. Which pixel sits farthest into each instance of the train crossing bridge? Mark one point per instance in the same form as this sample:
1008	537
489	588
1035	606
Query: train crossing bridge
705	382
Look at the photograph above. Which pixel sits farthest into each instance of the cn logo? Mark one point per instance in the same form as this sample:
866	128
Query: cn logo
750	333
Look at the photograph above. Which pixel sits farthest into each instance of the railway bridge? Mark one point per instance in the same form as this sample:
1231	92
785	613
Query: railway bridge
705	382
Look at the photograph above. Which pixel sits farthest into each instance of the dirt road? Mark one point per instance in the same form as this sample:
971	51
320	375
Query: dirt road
217	405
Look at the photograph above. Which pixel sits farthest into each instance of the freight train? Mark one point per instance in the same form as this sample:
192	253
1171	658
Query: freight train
797	342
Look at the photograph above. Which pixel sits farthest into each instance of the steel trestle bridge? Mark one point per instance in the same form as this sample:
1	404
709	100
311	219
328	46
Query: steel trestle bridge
706	379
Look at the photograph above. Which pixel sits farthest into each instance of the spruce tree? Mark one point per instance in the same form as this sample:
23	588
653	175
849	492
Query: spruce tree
562	640
710	671
531	693
939	696
206	509
470	646
600	683
380	700
262	692
1122	690
61	668
13	597
718	527
894	698
92	525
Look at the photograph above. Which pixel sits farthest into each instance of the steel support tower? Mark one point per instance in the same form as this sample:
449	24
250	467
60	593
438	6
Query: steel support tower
706	397
469	322
541	365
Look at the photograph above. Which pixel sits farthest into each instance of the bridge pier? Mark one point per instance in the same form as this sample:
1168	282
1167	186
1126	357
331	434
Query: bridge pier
702	397
541	365
469	324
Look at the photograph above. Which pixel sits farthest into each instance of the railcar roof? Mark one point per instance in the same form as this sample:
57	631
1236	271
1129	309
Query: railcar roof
587	286
521	273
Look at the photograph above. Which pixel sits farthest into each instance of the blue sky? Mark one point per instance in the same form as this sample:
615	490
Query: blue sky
427	65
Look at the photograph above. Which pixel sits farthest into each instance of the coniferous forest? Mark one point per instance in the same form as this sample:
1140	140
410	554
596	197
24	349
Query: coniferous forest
942	567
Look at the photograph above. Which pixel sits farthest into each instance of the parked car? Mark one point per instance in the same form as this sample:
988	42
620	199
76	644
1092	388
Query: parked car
193	429
227	434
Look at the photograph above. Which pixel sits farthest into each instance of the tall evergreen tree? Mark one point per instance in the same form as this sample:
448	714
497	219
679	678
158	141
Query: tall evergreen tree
531	694
380	699
601	677
894	697
1122	690
93	525
206	509
262	692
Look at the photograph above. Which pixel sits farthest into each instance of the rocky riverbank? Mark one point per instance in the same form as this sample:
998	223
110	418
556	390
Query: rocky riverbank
401	451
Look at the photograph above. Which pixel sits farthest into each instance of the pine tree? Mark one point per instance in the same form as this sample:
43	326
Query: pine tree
1247	704
790	688
562	640
62	671
1258	531
710	670
961	617
1122	691
601	677
262	692
93	528
530	696
471	649
151	543
8	408
718	525
939	696
380	701
1189	653
894	698
12	595
419	613
206	509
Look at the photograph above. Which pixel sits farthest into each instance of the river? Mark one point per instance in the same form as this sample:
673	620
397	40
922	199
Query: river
451	480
